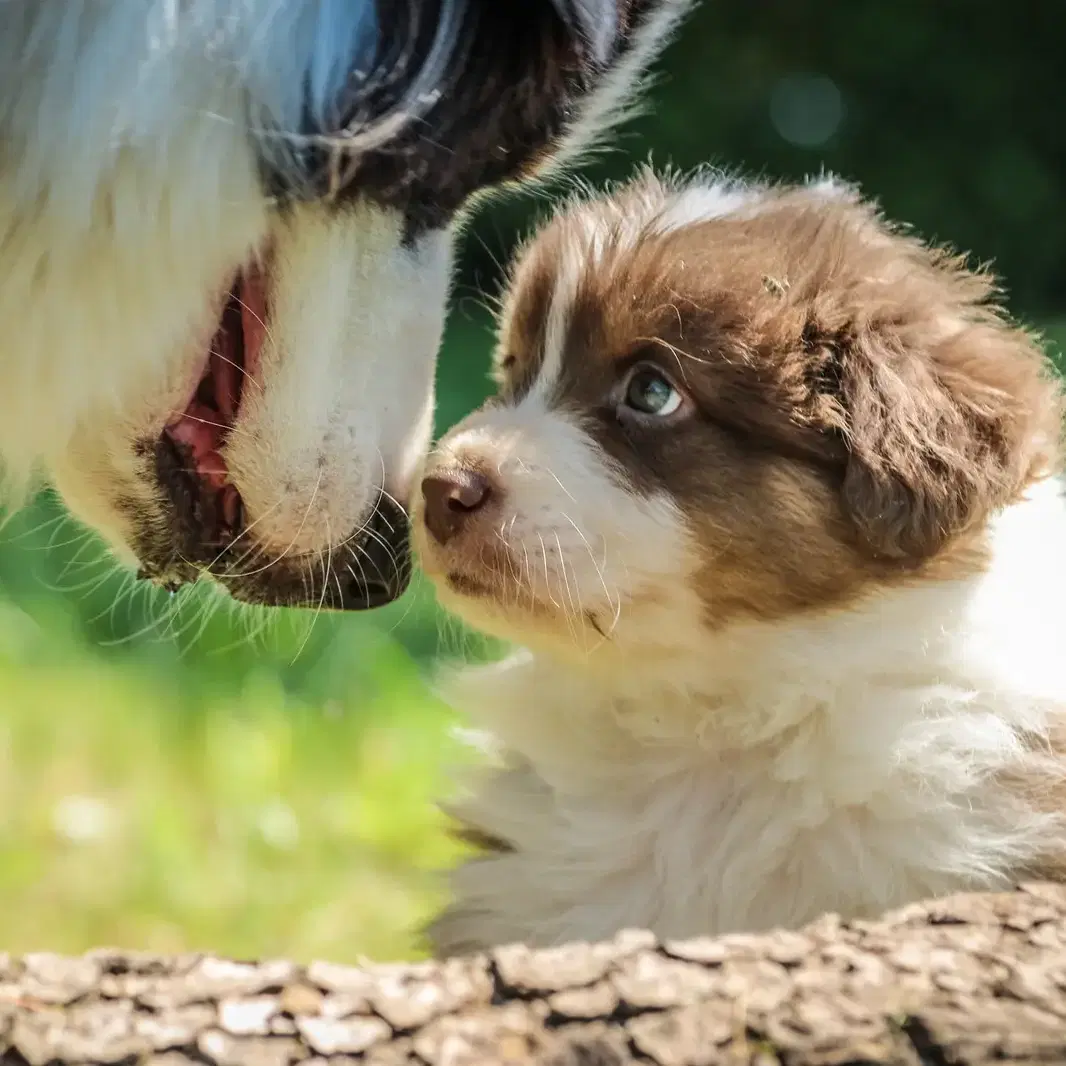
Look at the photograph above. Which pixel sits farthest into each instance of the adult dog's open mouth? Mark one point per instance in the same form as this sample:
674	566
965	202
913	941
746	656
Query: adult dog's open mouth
208	525
200	483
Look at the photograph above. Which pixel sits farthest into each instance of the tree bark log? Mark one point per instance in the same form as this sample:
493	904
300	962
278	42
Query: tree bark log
962	981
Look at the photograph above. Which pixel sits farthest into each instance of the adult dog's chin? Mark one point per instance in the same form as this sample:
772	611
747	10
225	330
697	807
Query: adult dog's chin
205	529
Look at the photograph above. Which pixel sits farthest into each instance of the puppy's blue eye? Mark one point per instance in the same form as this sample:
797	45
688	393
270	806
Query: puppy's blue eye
651	394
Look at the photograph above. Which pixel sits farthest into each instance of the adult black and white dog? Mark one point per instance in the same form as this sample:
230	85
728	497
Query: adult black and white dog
225	246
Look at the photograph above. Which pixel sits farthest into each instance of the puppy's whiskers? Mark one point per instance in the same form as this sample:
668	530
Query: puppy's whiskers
615	603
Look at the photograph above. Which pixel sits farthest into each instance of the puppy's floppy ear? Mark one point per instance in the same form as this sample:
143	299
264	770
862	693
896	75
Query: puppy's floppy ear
595	22
938	436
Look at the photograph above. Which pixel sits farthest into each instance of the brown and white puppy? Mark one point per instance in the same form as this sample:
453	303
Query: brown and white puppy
226	233
770	494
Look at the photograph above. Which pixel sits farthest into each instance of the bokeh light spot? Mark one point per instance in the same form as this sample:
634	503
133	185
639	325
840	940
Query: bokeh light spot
806	109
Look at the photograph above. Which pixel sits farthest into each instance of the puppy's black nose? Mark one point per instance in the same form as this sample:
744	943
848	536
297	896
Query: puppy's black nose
451	497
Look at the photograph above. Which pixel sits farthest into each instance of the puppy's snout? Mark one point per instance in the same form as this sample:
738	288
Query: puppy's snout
451	497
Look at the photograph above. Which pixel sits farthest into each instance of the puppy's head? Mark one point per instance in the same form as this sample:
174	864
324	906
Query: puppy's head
227	246
723	402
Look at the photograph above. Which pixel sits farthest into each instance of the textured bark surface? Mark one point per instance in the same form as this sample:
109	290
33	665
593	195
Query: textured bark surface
970	979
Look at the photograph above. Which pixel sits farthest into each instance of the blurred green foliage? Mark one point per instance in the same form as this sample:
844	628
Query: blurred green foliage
179	772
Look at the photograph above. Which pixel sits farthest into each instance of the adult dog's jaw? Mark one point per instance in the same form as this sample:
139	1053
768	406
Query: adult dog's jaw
207	518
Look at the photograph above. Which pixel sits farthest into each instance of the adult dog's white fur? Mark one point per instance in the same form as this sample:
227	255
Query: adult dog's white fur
741	706
133	139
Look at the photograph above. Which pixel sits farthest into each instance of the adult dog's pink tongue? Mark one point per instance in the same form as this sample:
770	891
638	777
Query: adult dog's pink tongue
200	429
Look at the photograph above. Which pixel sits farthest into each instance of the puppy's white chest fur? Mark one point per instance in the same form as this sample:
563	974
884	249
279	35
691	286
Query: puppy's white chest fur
849	762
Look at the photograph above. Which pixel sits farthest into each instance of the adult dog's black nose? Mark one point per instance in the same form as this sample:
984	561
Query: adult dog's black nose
451	497
379	569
